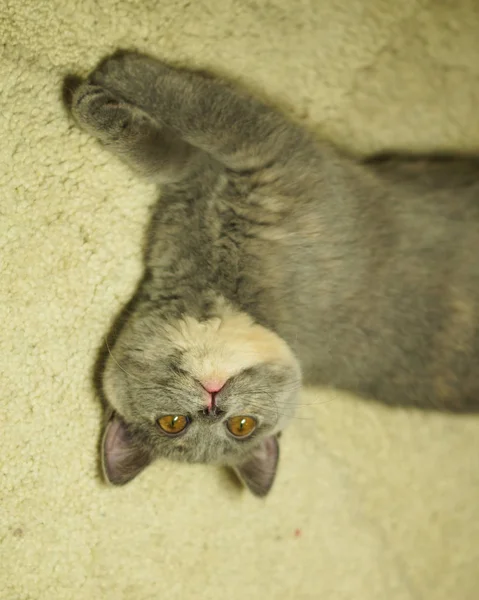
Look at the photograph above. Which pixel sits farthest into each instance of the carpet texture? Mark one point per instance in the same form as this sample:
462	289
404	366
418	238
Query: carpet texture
369	503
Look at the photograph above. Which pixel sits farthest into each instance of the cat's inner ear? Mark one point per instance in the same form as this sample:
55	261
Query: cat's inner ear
259	470
123	457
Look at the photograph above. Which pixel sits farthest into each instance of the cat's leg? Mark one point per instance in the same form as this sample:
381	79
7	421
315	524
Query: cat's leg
236	129
152	150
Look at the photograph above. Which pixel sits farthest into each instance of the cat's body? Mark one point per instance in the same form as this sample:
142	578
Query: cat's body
273	257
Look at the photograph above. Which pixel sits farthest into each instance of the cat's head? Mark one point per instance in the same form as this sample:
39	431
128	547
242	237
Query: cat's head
217	391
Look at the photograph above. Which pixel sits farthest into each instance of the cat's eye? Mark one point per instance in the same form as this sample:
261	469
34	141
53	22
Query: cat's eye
241	426
173	424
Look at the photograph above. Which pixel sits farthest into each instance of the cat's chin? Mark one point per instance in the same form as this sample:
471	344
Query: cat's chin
217	349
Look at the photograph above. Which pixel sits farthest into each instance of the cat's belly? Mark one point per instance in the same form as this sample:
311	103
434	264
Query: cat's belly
410	341
436	371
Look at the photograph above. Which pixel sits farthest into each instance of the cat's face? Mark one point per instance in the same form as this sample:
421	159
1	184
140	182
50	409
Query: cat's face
217	391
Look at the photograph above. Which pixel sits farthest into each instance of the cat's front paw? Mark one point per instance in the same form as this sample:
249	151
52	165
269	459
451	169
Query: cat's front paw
101	113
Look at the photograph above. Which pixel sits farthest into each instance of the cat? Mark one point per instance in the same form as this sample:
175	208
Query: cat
274	260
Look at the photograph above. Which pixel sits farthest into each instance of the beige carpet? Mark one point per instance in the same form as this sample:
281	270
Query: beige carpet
368	504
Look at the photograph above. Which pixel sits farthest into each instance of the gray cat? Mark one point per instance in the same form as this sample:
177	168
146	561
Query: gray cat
275	260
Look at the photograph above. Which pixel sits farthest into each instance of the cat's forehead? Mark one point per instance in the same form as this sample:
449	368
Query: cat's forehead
220	348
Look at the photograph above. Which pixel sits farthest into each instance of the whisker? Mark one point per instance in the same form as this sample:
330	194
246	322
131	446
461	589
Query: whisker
276	409
118	364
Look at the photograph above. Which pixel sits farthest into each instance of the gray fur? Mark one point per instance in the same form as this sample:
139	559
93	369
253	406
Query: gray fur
368	271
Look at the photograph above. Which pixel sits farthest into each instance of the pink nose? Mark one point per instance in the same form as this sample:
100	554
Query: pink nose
212	387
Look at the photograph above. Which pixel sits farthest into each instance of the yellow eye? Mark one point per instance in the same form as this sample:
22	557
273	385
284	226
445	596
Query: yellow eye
173	423
241	426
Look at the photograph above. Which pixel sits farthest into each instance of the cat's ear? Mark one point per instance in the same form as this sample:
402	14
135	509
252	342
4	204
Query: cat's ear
258	472
123	457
